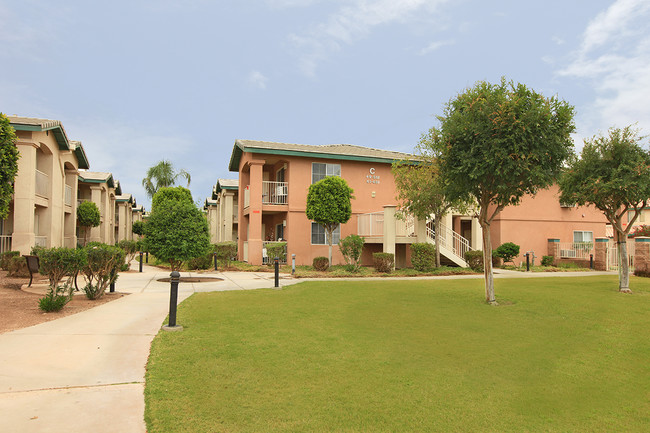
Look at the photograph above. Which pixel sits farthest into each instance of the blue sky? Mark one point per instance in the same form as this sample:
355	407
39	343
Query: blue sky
138	81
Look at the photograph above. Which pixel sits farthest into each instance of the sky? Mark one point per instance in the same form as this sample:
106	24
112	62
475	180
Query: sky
139	81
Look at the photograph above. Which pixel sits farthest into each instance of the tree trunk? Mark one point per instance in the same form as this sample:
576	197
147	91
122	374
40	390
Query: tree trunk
487	262
436	227
329	237
623	264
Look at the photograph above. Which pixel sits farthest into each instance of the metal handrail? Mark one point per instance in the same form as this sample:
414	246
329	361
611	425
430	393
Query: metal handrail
451	241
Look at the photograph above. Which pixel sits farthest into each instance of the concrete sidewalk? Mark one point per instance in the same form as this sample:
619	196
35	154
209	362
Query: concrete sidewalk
85	372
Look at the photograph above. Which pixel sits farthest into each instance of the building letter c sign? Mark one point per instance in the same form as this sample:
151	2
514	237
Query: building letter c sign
372	170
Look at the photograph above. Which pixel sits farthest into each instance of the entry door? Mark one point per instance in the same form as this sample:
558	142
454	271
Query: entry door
466	230
279	232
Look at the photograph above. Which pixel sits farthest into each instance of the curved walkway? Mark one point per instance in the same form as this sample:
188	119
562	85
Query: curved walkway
85	372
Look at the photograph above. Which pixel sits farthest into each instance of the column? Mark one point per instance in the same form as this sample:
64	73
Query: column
420	230
600	254
228	211
96	197
255	213
477	235
121	228
24	199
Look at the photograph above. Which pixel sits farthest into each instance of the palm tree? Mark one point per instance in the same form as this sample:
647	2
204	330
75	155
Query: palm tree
162	175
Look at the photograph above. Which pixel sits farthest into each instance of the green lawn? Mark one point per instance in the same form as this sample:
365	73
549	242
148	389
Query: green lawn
558	354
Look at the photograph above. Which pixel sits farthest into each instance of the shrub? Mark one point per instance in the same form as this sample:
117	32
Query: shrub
36	249
640	273
321	263
423	256
5	259
18	267
203	262
56	263
276	249
474	260
130	249
351	247
383	262
226	251
642	230
507	251
569	265
88	216
101	267
547	260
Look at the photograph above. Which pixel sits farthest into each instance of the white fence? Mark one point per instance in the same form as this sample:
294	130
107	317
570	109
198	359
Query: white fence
612	255
370	224
405	227
575	250
42	184
275	192
5	243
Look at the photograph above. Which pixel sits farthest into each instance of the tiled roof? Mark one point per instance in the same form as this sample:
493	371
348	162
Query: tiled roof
228	183
33	121
94	175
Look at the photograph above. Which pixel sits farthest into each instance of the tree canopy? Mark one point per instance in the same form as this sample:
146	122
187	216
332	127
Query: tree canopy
176	230
329	204
88	216
500	142
8	164
162	175
613	174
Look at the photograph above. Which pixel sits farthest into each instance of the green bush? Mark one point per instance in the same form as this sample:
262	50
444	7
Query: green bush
276	249
423	256
36	249
507	251
55	264
226	251
101	267
474	260
203	262
321	263
130	249
351	248
383	262
138	228
5	259
88	216
547	260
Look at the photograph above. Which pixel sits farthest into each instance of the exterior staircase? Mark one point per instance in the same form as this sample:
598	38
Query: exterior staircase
452	245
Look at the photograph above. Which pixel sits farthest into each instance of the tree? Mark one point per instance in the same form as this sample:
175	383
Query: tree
176	231
613	174
8	164
329	204
138	228
421	188
162	175
500	142
87	216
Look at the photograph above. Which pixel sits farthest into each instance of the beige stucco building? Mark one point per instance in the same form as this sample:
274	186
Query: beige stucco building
101	189
222	211
44	206
124	204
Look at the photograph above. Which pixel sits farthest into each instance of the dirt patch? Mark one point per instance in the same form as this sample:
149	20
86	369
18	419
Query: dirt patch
19	309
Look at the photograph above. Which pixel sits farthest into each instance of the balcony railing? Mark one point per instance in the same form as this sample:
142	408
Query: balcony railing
68	195
5	243
275	192
40	241
576	250
370	224
42	184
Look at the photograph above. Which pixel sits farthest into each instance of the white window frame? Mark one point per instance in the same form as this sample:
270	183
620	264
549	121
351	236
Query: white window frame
582	233
336	235
330	170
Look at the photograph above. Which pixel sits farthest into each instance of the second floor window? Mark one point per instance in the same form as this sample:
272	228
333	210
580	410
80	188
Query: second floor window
320	171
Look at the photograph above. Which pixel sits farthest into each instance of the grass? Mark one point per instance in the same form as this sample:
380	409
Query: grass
558	354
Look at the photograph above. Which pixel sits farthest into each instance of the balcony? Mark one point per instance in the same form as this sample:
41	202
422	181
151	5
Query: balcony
42	184
275	192
68	195
40	241
5	243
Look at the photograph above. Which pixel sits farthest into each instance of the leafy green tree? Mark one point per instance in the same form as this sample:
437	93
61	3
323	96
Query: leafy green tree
57	263
101	267
500	142
162	175
8	164
351	248
177	193
507	251
329	204
176	230
87	216
138	228
421	188
613	174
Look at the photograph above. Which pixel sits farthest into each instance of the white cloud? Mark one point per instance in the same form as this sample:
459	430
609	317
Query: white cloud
434	46
351	23
558	40
614	58
290	3
257	79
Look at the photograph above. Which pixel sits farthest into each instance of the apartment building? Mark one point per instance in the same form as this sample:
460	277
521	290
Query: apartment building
101	189
124	204
44	207
222	211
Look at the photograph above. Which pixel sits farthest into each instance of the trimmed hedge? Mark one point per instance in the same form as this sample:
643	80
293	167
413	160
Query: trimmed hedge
547	260
277	249
321	263
5	259
226	251
383	262
423	256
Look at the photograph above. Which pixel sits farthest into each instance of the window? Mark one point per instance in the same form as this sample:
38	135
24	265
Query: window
320	171
319	236
579	236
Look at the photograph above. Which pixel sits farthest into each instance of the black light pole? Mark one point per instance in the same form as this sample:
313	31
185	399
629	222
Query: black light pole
527	262
215	261
140	261
277	272
112	286
173	298
147	260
